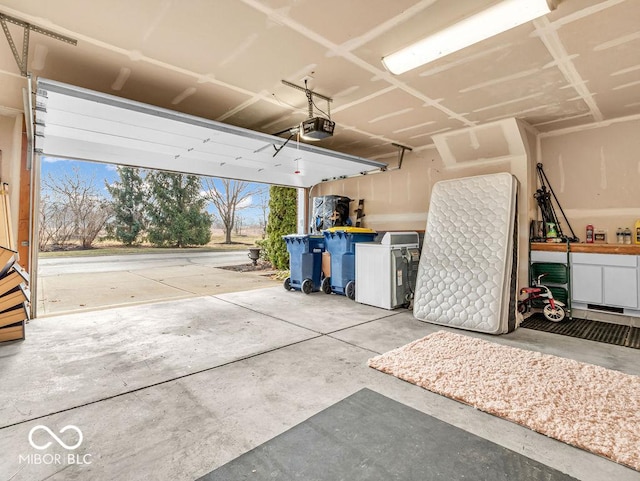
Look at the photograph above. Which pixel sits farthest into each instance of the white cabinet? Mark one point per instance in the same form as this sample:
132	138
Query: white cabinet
586	284
605	279
620	286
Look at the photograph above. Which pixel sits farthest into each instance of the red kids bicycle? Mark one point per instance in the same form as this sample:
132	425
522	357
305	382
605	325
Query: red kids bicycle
553	309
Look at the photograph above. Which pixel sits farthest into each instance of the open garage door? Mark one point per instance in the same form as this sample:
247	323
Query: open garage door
76	123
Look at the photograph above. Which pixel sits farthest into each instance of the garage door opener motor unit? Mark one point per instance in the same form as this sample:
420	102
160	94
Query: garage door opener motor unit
386	272
317	128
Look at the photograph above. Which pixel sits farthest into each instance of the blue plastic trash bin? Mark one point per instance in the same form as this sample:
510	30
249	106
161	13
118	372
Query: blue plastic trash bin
341	245
305	262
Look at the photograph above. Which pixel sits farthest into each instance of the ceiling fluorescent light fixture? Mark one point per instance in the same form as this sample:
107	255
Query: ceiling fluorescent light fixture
496	19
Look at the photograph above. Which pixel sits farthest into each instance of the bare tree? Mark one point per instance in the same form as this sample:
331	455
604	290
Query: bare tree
264	210
45	231
85	210
56	223
239	224
232	196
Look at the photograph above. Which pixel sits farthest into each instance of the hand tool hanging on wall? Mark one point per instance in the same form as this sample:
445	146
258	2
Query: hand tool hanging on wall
549	218
359	213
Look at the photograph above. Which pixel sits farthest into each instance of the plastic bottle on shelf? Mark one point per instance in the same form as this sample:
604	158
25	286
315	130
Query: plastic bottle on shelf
636	232
589	237
619	235
627	236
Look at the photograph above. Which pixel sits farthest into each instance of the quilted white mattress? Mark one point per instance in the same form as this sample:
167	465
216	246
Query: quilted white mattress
466	275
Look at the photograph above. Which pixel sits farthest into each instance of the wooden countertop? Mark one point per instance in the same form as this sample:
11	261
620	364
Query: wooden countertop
632	249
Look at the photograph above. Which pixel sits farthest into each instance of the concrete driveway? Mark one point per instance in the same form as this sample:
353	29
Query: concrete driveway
90	283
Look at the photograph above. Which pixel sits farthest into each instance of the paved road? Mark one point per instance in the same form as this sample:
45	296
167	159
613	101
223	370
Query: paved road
48	267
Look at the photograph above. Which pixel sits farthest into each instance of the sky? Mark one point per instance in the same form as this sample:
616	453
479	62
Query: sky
99	173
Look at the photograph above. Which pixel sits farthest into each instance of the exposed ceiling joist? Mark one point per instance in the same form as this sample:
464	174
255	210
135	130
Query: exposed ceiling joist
547	72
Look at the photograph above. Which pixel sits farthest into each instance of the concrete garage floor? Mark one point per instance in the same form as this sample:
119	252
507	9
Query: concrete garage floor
172	390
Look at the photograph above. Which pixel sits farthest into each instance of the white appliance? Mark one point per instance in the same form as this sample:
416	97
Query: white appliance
386	272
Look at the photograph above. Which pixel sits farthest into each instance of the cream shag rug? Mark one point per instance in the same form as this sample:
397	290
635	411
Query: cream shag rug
587	406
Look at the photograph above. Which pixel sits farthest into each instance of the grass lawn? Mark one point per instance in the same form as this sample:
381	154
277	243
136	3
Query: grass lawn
107	248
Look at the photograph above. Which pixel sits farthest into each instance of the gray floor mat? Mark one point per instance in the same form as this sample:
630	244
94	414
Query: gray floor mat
370	437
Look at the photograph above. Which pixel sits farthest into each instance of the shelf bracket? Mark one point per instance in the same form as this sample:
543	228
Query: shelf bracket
22	60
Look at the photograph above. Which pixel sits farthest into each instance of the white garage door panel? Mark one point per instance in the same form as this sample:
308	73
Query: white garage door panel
209	152
65	121
216	154
101	137
82	124
112	154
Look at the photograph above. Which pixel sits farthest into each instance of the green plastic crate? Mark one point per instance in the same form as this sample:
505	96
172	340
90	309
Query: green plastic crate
556	273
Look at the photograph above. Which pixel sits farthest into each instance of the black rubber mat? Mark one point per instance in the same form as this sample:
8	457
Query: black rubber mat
591	330
633	338
369	437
